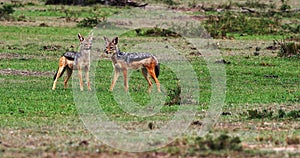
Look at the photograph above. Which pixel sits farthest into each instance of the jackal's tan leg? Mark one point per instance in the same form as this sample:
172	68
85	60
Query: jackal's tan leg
59	71
116	76
87	76
69	73
125	79
152	74
61	66
80	78
145	74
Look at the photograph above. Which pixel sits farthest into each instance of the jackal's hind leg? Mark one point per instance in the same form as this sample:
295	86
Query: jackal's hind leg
61	68
152	74
145	74
80	78
58	74
69	73
116	76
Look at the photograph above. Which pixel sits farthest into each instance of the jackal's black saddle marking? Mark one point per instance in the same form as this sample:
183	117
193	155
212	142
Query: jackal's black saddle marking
71	55
130	57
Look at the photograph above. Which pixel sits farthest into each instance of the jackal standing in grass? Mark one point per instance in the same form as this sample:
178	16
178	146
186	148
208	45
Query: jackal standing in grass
123	61
75	60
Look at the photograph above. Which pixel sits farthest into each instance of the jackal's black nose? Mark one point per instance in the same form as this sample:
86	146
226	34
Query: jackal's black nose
105	51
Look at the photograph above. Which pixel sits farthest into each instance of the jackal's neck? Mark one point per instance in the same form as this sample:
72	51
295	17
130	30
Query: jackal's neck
117	50
85	49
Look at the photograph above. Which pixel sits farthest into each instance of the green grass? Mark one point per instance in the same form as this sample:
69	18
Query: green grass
22	64
250	81
35	40
58	11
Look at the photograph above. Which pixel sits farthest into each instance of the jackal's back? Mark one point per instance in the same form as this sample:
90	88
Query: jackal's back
70	55
132	57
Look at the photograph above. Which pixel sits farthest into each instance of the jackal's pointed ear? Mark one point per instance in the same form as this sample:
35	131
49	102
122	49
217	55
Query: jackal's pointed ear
91	36
115	40
106	39
80	37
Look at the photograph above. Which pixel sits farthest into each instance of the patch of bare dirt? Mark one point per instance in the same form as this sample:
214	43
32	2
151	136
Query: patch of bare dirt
41	22
26	72
246	47
10	56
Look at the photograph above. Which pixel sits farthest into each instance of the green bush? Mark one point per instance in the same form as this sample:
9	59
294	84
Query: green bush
288	49
73	2
293	114
270	114
255	114
223	142
254	4
6	11
155	32
90	21
284	6
167	2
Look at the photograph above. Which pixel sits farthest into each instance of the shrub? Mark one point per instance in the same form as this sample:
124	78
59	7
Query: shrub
293	114
255	114
5	12
256	4
288	49
90	21
72	2
223	142
170	2
156	32
291	27
292	140
284	6
269	114
174	96
281	113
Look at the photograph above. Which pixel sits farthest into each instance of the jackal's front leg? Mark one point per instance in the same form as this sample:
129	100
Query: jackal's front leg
116	75
80	78
87	76
125	79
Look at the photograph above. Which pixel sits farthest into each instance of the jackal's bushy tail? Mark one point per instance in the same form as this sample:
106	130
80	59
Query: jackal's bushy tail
157	68
60	74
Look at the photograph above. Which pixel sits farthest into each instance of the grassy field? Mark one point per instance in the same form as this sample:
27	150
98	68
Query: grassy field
260	116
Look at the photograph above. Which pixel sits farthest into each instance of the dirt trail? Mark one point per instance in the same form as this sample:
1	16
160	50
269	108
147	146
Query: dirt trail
26	73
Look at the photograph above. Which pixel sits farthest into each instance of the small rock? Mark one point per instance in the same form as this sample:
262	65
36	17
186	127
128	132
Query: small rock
151	125
198	123
83	143
223	62
256	53
226	113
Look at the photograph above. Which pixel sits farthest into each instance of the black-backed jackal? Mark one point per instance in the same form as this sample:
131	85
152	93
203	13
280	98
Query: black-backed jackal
73	60
123	61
